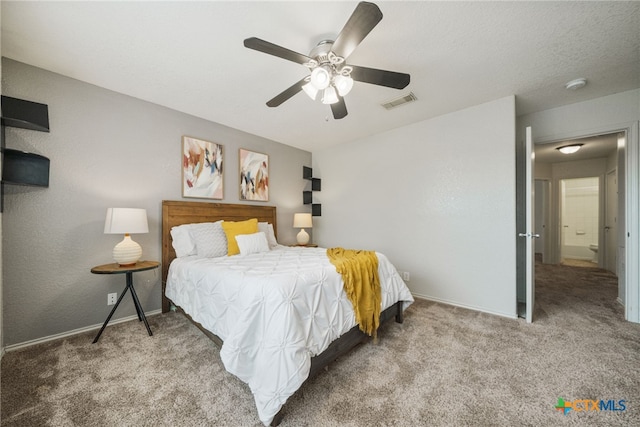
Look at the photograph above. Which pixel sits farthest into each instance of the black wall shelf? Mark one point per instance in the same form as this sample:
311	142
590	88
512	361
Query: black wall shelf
19	113
19	167
307	196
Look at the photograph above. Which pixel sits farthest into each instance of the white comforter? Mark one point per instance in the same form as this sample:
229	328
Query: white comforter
274	311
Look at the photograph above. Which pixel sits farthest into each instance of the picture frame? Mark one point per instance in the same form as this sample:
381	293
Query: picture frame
202	169
254	175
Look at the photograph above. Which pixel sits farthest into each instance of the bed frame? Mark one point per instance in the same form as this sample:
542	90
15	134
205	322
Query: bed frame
179	212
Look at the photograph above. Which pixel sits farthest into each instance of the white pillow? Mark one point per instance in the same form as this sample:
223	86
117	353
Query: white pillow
181	240
267	229
252	243
209	239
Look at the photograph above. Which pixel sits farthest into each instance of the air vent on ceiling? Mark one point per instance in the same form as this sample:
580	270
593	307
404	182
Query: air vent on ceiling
410	97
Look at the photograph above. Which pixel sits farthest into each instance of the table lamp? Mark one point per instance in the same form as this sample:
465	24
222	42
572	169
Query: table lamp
126	221
302	220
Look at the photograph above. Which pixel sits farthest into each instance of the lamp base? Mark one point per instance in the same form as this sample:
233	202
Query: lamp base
132	264
127	252
302	237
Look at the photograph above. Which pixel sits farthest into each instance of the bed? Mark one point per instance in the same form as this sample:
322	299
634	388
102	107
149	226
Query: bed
279	316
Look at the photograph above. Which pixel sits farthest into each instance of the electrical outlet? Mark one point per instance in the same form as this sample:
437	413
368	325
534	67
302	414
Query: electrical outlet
111	298
406	276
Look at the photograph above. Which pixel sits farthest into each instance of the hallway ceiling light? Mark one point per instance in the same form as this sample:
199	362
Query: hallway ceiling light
576	84
569	149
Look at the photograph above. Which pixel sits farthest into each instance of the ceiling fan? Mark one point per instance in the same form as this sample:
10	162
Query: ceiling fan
330	75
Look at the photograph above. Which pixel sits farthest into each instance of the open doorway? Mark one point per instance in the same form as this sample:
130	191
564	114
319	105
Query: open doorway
582	122
579	221
577	201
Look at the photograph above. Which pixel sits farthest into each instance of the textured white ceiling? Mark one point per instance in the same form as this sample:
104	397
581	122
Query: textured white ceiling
189	56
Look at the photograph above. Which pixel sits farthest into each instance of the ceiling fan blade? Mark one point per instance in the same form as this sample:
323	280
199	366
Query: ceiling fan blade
380	77
363	19
339	109
275	50
286	94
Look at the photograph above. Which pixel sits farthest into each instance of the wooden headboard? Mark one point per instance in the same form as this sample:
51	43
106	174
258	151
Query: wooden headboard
178	212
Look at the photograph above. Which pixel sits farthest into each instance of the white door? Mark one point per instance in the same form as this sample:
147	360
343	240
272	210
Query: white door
529	223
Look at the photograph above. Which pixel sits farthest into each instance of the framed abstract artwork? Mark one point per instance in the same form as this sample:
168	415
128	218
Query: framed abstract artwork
254	176
202	169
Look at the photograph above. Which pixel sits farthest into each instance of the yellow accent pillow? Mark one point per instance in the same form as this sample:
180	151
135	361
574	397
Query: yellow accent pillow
233	228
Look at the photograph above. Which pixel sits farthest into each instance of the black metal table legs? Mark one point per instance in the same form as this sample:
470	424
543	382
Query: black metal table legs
136	302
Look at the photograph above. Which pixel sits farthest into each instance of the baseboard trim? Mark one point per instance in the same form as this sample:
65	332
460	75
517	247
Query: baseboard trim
468	307
37	341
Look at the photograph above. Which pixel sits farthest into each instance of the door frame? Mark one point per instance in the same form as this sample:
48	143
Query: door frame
631	263
544	196
608	251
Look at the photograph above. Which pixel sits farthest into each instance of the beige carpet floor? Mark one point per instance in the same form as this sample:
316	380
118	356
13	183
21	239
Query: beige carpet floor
445	366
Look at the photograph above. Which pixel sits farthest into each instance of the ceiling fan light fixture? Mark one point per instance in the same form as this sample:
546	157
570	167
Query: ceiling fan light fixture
326	63
343	84
330	96
320	77
310	90
569	149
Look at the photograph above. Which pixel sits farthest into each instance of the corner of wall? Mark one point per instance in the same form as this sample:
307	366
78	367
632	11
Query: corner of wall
1	274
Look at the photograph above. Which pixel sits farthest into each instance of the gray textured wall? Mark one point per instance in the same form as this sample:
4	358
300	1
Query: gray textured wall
106	150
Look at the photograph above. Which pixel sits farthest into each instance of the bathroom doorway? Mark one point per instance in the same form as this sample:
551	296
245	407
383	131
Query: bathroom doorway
579	221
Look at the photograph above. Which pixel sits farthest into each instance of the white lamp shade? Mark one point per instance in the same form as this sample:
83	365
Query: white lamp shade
320	77
126	221
343	84
302	220
330	96
310	90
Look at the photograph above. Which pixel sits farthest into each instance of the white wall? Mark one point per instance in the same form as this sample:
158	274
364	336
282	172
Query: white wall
437	197
106	150
583	118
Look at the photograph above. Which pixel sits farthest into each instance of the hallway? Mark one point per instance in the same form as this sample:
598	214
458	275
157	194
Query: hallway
576	291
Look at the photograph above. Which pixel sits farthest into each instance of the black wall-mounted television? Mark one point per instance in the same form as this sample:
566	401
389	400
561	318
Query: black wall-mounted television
19	167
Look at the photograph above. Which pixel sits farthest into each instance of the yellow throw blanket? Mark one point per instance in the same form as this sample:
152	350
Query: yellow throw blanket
359	270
